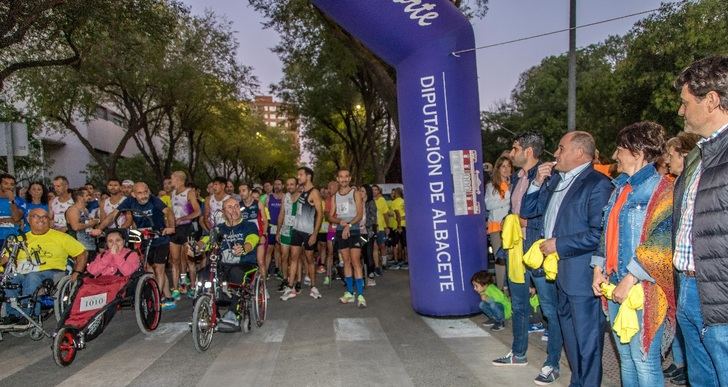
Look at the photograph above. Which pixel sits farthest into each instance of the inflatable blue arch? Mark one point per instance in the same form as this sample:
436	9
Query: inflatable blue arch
441	140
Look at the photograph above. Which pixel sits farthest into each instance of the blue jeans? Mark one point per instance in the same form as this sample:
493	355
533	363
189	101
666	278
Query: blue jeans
29	282
678	348
638	370
493	310
706	347
521	309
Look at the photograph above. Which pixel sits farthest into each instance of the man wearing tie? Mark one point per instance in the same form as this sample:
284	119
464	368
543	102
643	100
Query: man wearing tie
573	230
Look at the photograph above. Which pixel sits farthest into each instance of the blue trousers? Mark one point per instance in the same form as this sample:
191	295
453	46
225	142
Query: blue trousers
493	310
706	348
520	299
582	323
638	370
29	282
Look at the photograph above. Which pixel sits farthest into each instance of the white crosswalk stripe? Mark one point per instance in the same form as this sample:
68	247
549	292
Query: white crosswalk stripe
453	328
248	357
21	359
363	346
129	359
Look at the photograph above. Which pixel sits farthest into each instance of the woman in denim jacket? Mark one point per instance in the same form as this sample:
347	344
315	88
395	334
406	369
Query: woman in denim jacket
617	260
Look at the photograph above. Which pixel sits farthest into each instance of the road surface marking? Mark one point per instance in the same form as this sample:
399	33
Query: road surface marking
123	364
249	358
18	360
358	329
449	328
363	346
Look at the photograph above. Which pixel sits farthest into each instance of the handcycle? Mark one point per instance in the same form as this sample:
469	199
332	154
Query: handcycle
96	300
52	294
250	293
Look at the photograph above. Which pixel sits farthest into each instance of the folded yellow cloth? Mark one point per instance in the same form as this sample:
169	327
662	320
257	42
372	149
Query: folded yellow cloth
512	236
625	323
534	259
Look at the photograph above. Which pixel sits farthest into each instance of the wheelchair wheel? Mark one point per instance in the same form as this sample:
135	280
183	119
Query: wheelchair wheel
202	328
62	301
147	304
36	334
64	348
260	304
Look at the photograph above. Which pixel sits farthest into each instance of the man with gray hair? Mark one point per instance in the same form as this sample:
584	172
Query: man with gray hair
527	148
571	203
699	222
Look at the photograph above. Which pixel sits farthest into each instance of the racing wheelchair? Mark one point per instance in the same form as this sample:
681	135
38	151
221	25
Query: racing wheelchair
52	295
251	304
95	301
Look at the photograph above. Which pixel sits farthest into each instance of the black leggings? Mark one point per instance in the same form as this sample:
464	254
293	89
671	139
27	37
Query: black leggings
368	254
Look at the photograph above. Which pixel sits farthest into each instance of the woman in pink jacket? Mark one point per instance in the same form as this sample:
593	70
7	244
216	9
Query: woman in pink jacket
116	258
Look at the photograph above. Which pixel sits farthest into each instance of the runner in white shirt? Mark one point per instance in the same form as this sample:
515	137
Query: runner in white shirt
62	202
108	205
213	205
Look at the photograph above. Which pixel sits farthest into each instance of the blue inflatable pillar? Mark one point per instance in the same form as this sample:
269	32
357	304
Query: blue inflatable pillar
439	120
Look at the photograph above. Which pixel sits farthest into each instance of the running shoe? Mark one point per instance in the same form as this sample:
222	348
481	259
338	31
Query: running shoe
547	376
371	282
191	293
371	275
168	304
321	269
498	326
176	295
404	266
545	336
288	294
314	293
361	302
394	266
378	272
283	286
327	281
510	360
536	328
306	281
489	322
346	298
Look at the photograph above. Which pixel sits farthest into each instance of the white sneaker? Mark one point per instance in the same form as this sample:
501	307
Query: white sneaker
314	293
307	281
371	282
288	294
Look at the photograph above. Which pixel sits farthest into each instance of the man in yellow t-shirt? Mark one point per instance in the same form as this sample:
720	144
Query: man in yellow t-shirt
397	208
49	248
382	217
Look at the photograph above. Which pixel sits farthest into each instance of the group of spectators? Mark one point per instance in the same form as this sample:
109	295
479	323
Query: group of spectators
644	247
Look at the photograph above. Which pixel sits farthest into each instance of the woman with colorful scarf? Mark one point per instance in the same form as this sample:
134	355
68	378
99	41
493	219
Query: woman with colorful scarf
636	250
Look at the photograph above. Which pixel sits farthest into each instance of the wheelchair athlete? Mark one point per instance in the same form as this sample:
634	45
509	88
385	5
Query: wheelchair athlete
237	253
53	249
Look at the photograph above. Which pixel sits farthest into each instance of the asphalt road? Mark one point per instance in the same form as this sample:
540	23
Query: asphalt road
304	342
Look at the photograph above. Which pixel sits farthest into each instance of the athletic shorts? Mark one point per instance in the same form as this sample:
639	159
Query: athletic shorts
158	254
181	233
321	237
300	238
285	240
392	238
403	237
354	241
381	237
272	240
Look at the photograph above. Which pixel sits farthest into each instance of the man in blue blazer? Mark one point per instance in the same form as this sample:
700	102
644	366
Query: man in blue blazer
571	202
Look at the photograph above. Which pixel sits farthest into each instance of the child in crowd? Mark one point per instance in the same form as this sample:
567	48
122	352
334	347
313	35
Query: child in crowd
116	258
493	302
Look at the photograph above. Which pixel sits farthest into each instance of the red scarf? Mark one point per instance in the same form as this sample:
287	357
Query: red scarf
612	238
